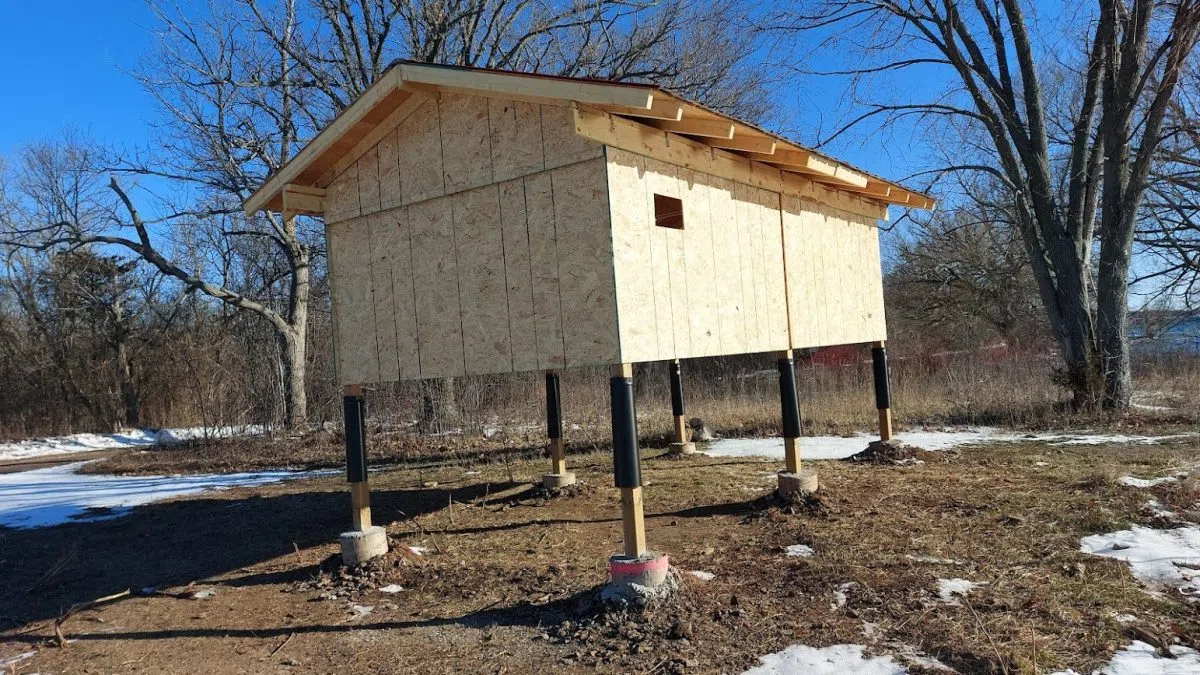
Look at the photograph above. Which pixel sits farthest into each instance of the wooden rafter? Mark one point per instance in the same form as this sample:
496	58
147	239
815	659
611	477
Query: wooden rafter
708	128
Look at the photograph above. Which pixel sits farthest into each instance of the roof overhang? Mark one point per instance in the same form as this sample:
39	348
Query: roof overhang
298	186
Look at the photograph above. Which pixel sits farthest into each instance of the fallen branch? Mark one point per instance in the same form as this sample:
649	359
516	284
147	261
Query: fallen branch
79	607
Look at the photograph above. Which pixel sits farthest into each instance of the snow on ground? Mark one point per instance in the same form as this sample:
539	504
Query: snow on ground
949	588
1140	658
1151	482
1158	558
65	445
834	660
46	497
798	551
841	447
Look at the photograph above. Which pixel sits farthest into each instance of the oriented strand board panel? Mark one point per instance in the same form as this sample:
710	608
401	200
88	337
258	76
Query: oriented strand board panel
834	276
772	262
419	155
368	182
633	264
396	246
561	145
341	197
435	271
749	245
350	263
727	267
482	289
516	142
390	193
466	142
586	284
382	234
518	276
700	261
661	178
544	271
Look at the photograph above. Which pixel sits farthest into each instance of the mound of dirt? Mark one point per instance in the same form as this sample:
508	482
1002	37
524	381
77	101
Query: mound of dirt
887	452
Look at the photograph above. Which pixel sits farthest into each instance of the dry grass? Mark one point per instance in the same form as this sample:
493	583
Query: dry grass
508	581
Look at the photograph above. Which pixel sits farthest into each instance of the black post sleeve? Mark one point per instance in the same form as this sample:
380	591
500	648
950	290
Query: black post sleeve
676	389
553	406
356	438
883	384
787	398
627	463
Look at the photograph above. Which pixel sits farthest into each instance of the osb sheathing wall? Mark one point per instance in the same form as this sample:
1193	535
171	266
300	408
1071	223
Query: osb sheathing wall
472	239
718	285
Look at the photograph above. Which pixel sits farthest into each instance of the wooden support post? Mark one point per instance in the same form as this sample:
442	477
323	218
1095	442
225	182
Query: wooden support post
558	456
681	432
356	457
633	522
790	411
627	465
883	389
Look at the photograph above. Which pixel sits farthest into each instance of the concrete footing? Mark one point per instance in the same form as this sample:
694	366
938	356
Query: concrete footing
558	481
359	547
797	483
682	449
639	580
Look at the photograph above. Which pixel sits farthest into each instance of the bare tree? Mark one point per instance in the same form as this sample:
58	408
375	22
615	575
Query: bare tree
1075	162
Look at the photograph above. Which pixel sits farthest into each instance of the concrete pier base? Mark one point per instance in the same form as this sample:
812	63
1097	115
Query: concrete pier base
558	481
797	483
682	449
639	580
359	547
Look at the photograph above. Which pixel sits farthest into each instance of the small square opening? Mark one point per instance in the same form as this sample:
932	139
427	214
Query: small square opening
668	212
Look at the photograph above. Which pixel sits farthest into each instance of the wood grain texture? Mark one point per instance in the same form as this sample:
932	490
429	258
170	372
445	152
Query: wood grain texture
700	260
435	267
482	290
516	138
390	193
544	271
383	233
560	144
466	142
350	267
518	275
404	308
419	155
728	263
584	242
661	178
368	182
341	197
633	265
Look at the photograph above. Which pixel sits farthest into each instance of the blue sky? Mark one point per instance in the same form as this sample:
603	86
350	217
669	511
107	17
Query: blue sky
66	66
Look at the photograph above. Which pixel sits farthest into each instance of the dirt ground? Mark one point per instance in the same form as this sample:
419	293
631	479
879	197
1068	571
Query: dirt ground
508	580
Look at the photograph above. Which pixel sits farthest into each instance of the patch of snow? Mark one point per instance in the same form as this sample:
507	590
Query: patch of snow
1157	558
391	588
14	660
1150	482
835	660
57	495
419	550
75	443
1125	618
949	588
839	595
799	551
702	576
362	610
1041	463
470	473
1152	408
204	594
1141	658
841	447
1155	508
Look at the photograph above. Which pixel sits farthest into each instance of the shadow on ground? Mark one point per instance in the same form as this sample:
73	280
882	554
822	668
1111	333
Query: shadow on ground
46	570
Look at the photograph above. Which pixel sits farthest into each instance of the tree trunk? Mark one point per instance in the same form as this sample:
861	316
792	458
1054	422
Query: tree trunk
295	346
439	406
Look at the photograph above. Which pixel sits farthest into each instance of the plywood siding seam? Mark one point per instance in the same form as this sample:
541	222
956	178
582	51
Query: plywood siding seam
562	328
612	258
453	240
504	273
783	238
537	342
412	270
